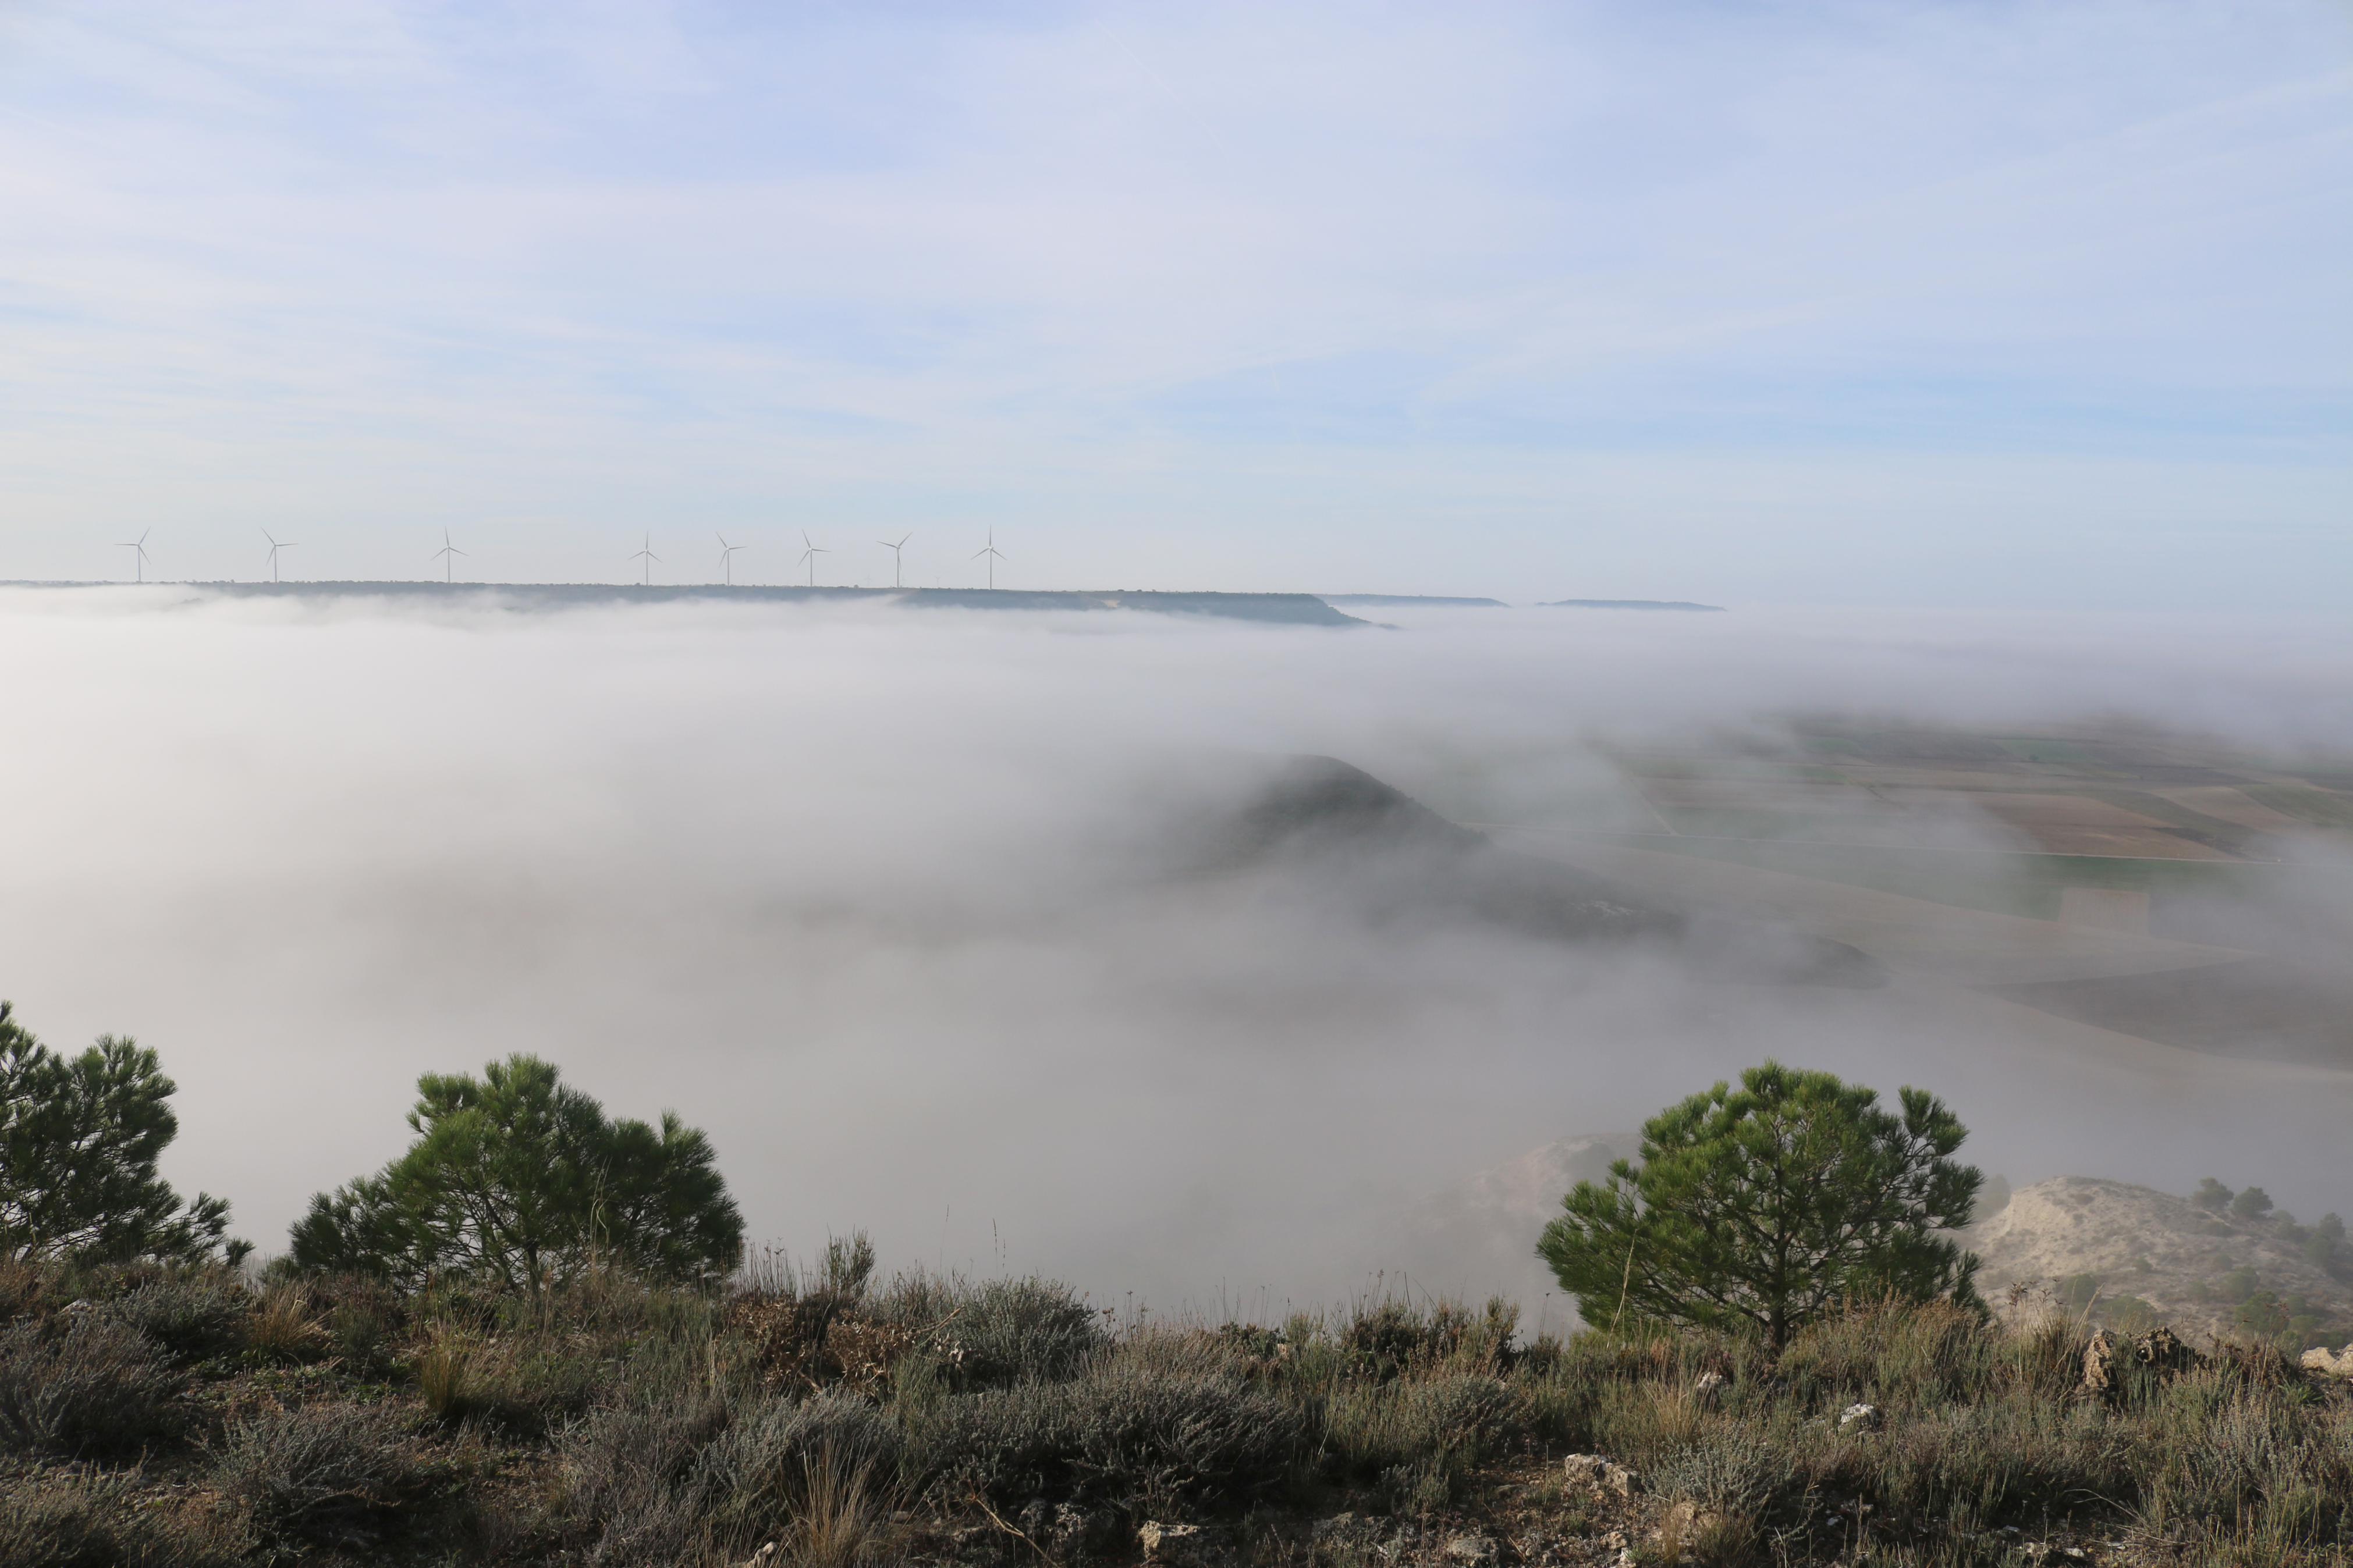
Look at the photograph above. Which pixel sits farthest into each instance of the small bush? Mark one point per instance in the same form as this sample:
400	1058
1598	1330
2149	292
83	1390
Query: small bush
625	1469
442	1375
91	1386
532	1383
839	1516
26	1289
1118	1434
361	1318
1390	1338
51	1519
323	1475
280	1327
1380	1427
1729	1469
1892	1354
194	1315
756	1476
1009	1330
525	1384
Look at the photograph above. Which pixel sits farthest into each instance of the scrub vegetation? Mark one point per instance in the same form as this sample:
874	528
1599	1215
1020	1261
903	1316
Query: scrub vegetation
447	1393
822	1415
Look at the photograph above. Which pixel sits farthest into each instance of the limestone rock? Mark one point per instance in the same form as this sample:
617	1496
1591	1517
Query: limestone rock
2161	1350
1859	1418
1606	1477
1346	1529
2100	1363
1176	1545
2141	1246
2334	1363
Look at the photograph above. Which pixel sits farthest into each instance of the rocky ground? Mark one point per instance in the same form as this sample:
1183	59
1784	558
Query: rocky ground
2130	1255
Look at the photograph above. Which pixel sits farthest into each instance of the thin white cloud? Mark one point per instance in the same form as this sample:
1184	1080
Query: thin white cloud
1334	277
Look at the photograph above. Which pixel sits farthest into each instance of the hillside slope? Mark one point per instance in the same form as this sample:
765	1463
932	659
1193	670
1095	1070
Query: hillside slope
2149	1253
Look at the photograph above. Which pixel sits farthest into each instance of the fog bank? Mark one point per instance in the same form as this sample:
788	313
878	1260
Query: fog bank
880	901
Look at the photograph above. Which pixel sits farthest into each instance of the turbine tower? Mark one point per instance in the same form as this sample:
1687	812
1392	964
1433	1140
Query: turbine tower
898	559
727	558
647	555
994	554
447	555
276	544
810	555
139	558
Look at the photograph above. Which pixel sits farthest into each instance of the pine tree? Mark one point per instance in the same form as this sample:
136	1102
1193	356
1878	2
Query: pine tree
1763	1207
518	1178
79	1139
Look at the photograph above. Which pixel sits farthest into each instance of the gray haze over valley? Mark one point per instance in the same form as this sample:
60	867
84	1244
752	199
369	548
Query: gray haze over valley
1028	941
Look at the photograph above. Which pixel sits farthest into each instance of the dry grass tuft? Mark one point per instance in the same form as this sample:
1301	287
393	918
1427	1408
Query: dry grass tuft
281	1326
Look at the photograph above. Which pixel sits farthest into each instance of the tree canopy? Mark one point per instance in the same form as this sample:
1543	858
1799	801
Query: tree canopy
1762	1207
79	1140
517	1177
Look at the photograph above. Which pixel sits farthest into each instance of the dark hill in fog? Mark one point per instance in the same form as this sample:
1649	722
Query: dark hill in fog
1337	828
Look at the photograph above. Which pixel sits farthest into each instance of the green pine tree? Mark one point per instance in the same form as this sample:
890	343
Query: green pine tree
79	1139
518	1178
1762	1207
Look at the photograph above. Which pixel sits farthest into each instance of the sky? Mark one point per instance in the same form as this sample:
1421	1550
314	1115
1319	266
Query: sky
1993	305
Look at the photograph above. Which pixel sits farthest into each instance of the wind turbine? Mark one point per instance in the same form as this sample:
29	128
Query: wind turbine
897	558
649	557
810	555
727	557
276	546
139	560
447	555
994	554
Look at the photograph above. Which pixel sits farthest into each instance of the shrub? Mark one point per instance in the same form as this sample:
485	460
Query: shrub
1390	1338
360	1317
839	1514
2251	1203
1008	1330
1421	1437
1892	1354
52	1520
192	1314
1728	1468
319	1475
780	1458
26	1288
1370	1429
624	1469
280	1326
1765	1208
93	1386
1118	1434
524	1383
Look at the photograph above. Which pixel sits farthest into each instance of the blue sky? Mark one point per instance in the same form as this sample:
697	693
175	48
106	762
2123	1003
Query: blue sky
1986	304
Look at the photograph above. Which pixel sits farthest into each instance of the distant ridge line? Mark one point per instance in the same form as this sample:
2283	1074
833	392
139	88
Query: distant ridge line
1287	609
1628	605
1410	599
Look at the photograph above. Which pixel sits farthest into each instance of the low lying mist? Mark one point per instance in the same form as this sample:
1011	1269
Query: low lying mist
1024	940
